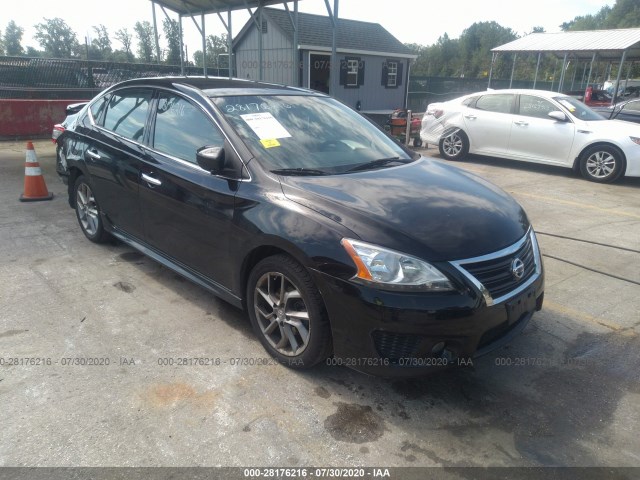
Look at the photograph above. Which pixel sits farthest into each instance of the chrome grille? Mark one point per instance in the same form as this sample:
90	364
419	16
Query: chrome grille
493	273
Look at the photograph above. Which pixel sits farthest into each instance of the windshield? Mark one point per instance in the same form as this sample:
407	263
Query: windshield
578	109
304	133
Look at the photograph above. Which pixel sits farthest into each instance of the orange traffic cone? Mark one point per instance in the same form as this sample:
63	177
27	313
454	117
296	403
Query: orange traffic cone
34	187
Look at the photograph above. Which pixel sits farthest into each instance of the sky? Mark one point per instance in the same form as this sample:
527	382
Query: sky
410	21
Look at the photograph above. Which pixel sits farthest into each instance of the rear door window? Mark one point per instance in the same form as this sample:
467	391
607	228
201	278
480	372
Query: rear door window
501	103
127	112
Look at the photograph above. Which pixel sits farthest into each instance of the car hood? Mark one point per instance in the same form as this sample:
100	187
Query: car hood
425	208
613	129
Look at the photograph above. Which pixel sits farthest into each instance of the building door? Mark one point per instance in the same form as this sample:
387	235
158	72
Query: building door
319	71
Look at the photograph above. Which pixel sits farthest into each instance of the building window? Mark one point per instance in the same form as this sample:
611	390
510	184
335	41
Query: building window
264	26
352	72
392	74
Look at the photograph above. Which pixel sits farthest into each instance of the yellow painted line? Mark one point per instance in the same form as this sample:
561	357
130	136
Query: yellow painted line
586	318
608	211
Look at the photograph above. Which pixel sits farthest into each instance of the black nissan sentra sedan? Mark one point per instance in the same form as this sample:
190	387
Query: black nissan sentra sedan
341	244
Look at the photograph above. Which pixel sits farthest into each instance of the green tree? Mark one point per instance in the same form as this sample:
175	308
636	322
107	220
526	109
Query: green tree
624	14
102	44
216	52
125	38
33	53
172	34
587	22
144	32
443	59
420	68
56	38
476	43
13	39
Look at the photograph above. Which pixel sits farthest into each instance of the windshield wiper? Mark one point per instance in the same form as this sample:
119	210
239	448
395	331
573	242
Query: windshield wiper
378	163
300	171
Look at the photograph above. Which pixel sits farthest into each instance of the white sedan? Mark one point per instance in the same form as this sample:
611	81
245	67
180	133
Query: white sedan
534	126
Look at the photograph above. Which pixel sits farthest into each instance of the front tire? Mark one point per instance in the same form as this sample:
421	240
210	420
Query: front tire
602	164
454	146
287	312
88	211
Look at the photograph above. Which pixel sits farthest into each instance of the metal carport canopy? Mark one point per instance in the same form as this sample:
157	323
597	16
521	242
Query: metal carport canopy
189	8
606	45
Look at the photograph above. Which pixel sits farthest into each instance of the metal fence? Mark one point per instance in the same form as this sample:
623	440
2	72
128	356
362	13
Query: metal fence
50	79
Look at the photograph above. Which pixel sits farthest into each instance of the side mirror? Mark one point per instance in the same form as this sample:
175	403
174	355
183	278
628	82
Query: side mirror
557	115
211	159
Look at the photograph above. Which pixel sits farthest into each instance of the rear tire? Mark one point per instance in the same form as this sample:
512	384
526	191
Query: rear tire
287	313
602	164
454	146
88	211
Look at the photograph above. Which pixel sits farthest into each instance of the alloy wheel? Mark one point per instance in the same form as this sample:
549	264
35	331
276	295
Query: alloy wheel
87	209
600	164
282	314
452	145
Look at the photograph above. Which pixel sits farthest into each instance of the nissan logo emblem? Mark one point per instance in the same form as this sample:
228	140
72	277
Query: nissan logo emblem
517	268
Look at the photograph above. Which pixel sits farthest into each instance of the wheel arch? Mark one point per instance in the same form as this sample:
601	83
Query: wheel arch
74	173
579	157
259	253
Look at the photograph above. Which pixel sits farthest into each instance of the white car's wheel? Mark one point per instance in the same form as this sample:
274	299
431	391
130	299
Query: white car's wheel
454	146
602	164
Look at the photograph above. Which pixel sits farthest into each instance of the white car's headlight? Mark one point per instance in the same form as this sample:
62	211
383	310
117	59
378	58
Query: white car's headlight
393	270
635	140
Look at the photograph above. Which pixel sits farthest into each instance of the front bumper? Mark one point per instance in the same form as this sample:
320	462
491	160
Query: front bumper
411	334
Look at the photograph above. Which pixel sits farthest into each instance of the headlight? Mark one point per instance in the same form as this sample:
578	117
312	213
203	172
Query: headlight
635	140
393	270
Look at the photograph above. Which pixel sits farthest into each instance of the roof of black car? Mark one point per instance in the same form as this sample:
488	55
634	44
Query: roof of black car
212	85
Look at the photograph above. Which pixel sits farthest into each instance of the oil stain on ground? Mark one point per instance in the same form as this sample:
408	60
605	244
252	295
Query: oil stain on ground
124	286
355	423
322	392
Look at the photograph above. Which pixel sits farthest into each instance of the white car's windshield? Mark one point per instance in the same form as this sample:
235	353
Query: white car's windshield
578	109
289	132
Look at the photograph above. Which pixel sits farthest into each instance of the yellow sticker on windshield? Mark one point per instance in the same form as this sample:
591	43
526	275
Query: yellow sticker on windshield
270	143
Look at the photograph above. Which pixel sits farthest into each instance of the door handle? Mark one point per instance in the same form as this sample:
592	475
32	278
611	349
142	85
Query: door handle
151	180
522	123
470	117
93	154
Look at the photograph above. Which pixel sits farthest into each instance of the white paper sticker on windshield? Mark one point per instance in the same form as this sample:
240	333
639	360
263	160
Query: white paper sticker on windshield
265	126
567	105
